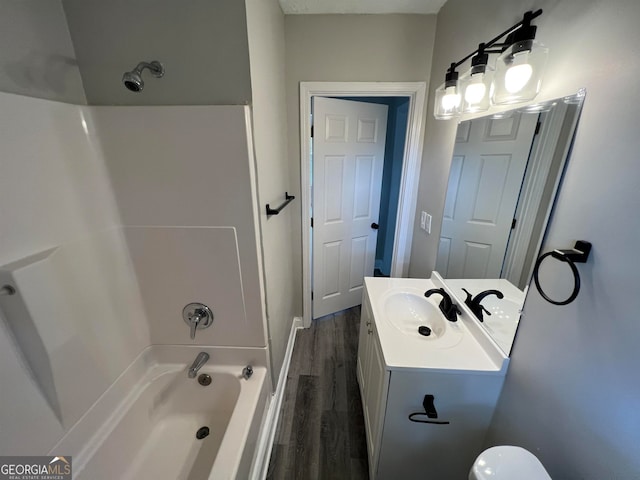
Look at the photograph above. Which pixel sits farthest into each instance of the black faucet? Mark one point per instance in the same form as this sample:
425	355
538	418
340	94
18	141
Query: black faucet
474	303
449	309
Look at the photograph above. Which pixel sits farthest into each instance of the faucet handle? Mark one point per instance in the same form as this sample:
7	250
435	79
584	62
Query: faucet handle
197	316
195	320
469	296
451	313
449	309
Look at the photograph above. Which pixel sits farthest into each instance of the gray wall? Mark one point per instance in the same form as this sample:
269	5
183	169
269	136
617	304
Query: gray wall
202	44
349	48
572	393
37	57
265	22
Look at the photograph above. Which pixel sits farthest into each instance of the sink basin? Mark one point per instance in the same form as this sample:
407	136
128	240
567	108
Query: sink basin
408	309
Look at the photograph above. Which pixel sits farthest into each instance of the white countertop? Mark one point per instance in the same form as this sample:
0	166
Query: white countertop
505	313
465	346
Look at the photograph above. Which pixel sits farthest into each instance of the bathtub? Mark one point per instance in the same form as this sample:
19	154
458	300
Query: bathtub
145	425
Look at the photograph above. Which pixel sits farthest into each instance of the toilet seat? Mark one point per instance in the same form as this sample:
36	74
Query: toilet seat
507	462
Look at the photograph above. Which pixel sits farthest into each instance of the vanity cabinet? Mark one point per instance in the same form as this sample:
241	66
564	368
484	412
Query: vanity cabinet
401	449
373	379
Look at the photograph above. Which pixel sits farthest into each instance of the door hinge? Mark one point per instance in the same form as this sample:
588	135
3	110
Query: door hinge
311	295
311	131
513	224
538	125
311	222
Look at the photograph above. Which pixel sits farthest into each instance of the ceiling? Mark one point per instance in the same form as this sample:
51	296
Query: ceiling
292	7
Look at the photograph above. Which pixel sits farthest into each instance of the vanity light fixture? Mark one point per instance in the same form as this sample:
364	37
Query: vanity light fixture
475	84
520	67
517	76
448	98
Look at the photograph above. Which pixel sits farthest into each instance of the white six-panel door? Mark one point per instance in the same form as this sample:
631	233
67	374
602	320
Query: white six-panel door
489	160
348	160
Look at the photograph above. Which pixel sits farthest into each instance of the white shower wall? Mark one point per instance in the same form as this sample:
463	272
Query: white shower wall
83	299
183	170
182	229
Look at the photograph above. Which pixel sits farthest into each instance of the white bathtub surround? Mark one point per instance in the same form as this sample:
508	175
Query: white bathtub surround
73	320
83	301
188	167
144	426
90	312
269	428
204	265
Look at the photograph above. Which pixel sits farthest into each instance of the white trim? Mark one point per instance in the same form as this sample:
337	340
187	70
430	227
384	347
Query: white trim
253	178
416	92
264	445
533	185
565	152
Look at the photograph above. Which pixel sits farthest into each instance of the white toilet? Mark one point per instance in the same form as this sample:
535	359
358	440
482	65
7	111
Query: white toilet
507	462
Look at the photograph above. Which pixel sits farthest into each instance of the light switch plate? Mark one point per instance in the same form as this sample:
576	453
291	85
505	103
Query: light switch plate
425	222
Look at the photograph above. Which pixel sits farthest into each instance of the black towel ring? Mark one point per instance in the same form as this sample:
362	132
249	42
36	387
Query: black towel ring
576	278
579	254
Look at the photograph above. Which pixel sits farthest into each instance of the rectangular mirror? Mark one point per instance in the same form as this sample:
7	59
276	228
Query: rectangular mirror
503	180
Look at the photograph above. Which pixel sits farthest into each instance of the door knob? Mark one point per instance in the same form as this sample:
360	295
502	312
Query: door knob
375	226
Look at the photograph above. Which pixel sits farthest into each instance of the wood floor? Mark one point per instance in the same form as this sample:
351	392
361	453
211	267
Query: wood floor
320	433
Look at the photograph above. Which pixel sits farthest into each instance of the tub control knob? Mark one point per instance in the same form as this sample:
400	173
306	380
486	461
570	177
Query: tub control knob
197	316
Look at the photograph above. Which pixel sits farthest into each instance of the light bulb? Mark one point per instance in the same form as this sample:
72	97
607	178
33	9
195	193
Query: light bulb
451	99
448	98
517	77
476	87
475	92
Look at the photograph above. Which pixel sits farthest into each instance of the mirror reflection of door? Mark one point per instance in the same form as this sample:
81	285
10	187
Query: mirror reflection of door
357	150
489	160
549	151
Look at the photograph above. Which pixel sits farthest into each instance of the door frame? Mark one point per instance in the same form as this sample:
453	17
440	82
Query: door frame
416	91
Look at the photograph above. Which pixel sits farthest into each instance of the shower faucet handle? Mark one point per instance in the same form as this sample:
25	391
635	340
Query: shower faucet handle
197	316
195	320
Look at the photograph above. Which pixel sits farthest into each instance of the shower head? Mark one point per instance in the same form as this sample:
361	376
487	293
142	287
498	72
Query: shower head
133	79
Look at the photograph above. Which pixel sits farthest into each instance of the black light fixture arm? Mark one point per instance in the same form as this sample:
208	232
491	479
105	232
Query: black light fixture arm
486	46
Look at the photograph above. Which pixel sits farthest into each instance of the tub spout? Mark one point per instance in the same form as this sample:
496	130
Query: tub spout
197	364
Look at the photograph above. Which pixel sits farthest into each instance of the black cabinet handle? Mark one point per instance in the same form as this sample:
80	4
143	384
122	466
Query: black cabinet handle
375	226
429	410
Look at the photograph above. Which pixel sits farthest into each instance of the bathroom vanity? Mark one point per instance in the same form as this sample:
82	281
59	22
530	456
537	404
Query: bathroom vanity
448	381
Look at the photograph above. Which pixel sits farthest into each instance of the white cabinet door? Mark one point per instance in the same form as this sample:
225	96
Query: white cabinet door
375	400
363	344
417	450
373	379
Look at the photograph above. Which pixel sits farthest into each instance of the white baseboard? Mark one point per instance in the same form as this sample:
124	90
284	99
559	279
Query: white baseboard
268	433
